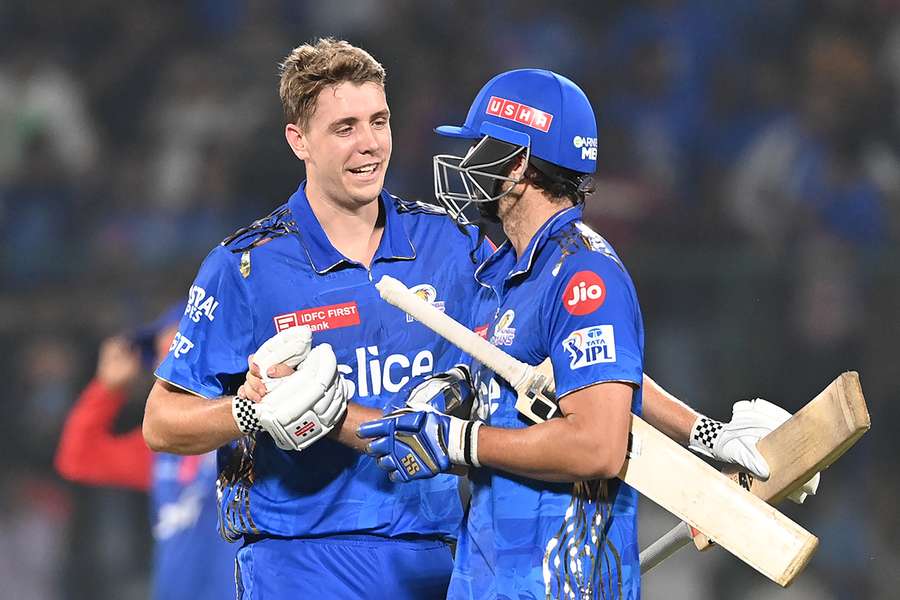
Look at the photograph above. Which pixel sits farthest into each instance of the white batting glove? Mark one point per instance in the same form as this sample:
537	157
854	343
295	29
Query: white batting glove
307	404
449	392
289	346
735	442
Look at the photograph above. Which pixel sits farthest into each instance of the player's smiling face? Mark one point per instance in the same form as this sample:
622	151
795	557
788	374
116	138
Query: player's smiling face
347	144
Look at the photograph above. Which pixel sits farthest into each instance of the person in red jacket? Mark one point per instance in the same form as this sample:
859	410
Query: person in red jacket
89	452
191	561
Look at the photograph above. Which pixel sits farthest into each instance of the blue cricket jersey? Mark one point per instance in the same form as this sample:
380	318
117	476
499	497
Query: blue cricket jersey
282	272
191	561
568	298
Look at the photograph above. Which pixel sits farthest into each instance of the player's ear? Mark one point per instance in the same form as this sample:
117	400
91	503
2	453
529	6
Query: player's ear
519	167
297	140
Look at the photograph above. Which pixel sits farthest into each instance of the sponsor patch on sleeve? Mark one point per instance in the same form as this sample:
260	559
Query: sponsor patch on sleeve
591	346
181	345
584	293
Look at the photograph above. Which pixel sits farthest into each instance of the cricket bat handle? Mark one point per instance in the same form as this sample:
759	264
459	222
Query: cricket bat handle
515	372
677	538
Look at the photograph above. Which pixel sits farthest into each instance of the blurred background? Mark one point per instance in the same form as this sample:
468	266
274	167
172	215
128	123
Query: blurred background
748	174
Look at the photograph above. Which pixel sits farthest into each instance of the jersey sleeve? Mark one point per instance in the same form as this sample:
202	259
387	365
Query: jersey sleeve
215	335
593	324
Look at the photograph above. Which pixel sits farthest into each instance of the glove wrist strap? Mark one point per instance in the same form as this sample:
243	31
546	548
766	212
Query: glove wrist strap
462	448
704	434
245	415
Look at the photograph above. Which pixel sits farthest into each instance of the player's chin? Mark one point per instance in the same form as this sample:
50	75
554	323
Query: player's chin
366	189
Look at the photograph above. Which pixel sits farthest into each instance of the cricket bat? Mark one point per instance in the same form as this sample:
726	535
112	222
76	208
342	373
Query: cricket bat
810	441
656	466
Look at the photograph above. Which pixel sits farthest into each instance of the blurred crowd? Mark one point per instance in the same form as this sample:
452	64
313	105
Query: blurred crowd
749	175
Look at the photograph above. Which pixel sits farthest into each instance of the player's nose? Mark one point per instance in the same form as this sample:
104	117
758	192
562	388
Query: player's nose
367	141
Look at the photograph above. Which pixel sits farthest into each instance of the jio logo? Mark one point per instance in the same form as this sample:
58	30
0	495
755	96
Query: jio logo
584	293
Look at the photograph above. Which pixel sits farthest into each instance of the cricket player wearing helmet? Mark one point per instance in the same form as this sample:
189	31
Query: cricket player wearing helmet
559	291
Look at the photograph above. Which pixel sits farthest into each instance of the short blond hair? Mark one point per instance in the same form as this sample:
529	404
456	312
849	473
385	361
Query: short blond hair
312	67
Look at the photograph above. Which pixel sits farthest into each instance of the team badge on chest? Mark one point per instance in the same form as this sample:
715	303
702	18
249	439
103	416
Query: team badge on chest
504	334
427	293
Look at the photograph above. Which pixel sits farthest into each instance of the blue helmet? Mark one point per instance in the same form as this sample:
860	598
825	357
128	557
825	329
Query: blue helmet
534	112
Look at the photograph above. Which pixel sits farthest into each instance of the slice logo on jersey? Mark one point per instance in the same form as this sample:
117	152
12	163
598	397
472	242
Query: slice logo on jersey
427	293
520	113
584	293
487	400
200	304
591	346
504	335
320	318
374	374
181	345
482	330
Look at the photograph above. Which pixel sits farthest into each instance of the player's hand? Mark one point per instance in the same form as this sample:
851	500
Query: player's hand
411	444
119	363
307	404
277	358
735	442
450	392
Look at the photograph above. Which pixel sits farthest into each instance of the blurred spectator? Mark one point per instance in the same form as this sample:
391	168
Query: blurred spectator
808	172
39	97
191	561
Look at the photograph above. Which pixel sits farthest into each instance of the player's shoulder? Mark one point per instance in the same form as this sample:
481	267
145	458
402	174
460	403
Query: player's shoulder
416	207
432	219
579	247
279	223
233	252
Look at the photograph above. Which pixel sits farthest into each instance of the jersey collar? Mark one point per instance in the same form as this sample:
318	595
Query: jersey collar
323	256
491	268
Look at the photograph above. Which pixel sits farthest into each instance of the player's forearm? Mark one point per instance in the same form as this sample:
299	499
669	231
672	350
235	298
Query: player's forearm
588	442
667	413
557	450
355	416
181	423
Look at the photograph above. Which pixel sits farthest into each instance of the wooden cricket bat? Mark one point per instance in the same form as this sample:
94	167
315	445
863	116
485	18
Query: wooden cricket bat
656	466
810	441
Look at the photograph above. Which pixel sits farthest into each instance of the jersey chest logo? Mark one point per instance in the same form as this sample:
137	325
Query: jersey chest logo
320	318
427	293
504	333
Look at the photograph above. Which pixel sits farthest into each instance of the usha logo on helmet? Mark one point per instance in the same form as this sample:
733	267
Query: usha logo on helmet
520	113
588	146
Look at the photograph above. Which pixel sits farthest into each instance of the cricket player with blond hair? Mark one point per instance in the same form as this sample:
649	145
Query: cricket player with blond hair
315	516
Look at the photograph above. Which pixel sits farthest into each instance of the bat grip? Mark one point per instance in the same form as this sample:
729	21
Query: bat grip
677	538
395	293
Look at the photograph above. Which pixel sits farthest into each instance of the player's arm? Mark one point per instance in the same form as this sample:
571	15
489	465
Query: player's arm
667	413
588	442
734	442
356	416
190	408
179	422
